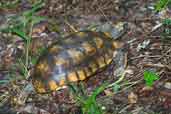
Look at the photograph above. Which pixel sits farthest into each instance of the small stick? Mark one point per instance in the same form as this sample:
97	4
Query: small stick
157	65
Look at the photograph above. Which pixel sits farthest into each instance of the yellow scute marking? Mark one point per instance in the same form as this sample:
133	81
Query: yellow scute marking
93	67
54	49
60	61
108	59
107	34
81	34
101	62
43	66
77	56
117	45
72	77
62	82
87	71
52	85
39	86
81	74
89	48
99	42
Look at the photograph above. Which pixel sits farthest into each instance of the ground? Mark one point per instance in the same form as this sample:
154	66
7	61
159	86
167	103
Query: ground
146	48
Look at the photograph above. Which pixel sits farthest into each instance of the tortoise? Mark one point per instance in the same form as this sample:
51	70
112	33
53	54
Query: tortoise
75	58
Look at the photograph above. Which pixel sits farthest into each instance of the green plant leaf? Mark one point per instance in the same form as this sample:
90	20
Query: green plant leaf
116	87
161	4
150	77
34	8
98	90
88	104
20	33
166	21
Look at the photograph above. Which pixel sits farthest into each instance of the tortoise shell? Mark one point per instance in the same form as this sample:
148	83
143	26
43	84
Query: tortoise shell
73	58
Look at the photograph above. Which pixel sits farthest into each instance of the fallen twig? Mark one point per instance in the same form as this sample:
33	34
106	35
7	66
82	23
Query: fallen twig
157	65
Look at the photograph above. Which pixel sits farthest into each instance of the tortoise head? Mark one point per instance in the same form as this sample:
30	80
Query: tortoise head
114	31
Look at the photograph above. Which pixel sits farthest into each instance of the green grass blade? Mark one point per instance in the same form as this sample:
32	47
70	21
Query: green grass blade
20	33
35	7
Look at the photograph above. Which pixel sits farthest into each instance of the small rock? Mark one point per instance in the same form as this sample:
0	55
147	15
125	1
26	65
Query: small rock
132	98
167	85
